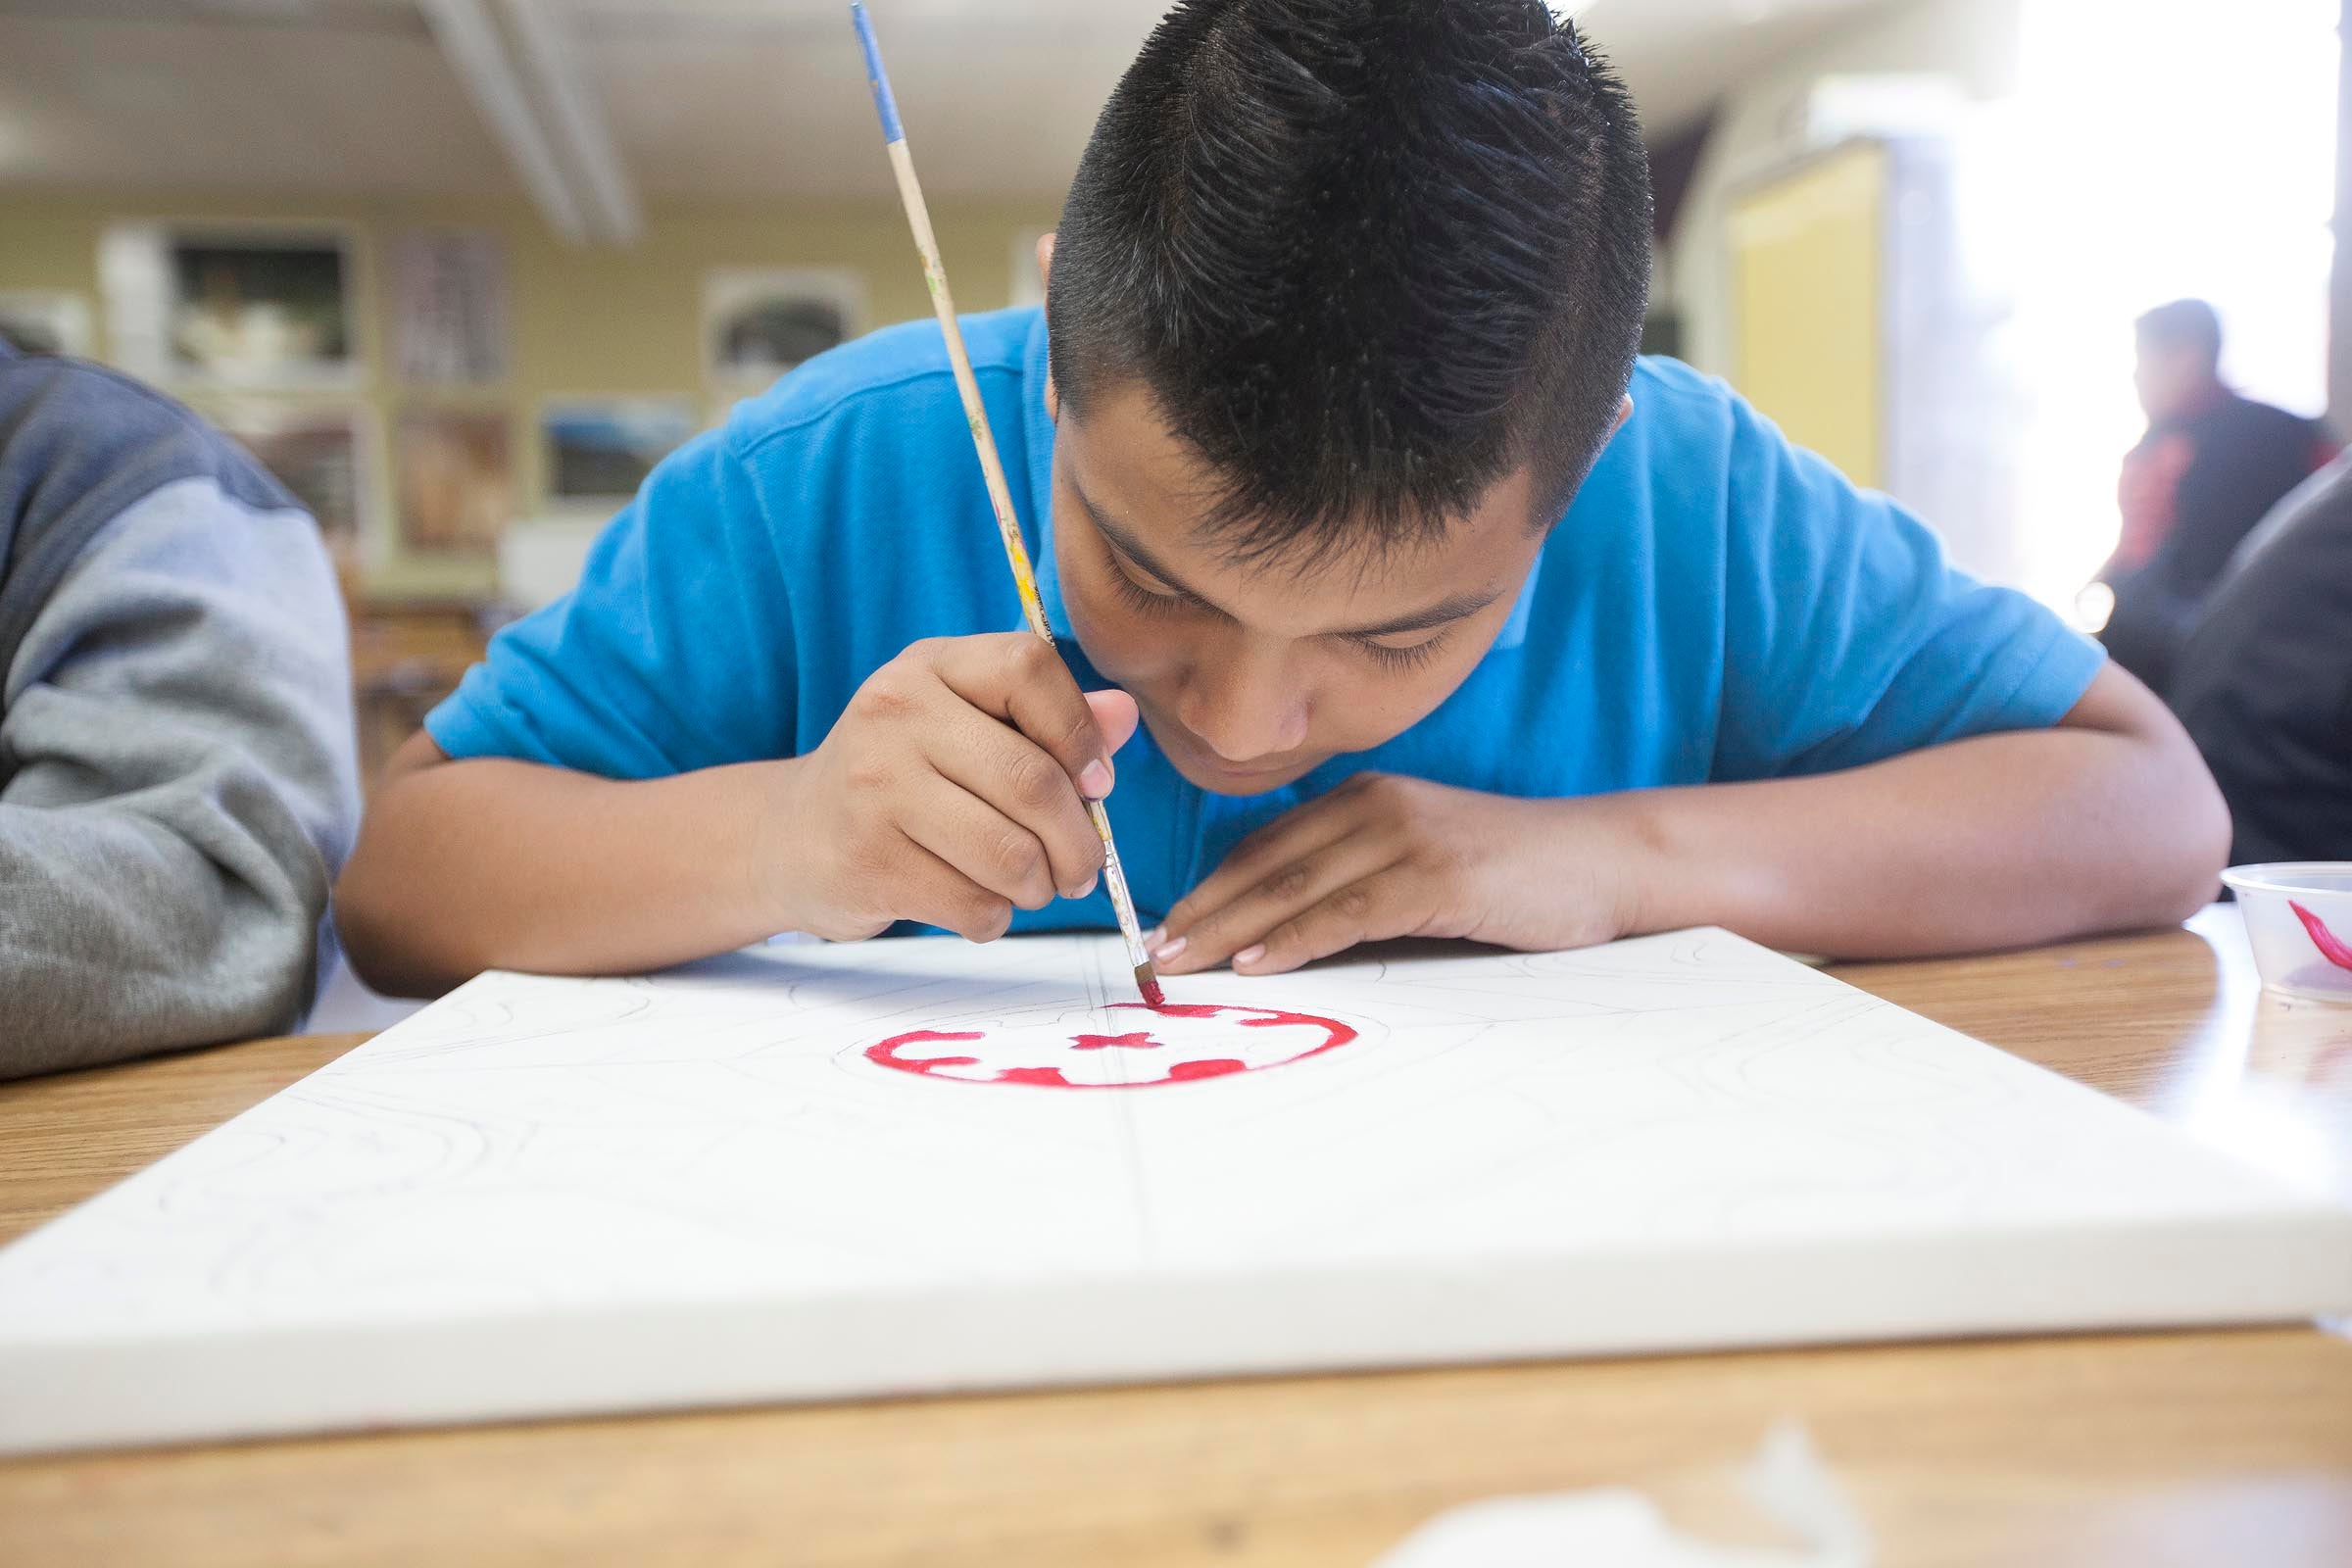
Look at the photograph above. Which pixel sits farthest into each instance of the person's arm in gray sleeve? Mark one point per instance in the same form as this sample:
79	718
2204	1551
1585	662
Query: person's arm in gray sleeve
177	785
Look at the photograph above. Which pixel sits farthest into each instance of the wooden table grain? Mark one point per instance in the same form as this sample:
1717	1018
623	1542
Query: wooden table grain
2148	1450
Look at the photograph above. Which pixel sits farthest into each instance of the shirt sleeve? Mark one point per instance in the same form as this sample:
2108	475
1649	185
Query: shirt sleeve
674	653
1847	636
184	788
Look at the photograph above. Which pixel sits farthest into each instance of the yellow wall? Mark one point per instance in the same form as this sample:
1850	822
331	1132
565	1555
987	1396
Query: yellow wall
1760	130
598	320
1806	299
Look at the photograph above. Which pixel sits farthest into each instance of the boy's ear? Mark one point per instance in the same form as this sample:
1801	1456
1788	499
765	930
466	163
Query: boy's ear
1044	272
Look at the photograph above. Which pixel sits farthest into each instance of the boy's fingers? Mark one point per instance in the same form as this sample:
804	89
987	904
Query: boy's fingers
1020	679
1115	716
932	890
1321	818
1303	833
1024	784
976	839
1282	894
1373	908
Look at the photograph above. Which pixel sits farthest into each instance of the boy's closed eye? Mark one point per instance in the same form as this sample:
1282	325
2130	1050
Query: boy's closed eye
1143	591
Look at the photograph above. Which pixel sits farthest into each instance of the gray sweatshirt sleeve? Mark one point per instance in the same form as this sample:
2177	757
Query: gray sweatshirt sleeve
175	740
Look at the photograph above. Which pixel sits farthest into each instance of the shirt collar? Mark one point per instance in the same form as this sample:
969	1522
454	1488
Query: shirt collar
1039	449
1040	452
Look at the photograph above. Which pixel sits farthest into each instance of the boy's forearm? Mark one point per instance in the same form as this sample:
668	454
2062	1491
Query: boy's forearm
2106	822
471	865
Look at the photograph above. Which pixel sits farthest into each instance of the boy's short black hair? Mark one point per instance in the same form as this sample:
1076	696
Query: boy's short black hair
2183	324
1368	255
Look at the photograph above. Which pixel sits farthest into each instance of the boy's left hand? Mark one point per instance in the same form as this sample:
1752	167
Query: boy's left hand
1385	855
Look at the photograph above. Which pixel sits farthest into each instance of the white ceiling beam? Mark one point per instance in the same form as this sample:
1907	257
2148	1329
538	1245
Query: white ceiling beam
582	133
470	39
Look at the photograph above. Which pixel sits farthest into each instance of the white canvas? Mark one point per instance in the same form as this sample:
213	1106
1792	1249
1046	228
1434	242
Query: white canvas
543	1197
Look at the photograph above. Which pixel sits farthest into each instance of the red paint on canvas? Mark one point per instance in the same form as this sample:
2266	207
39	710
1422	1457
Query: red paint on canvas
1186	1071
1140	1040
887	1051
1177	1042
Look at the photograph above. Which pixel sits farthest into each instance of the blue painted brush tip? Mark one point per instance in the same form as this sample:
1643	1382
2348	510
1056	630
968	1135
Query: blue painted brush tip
875	77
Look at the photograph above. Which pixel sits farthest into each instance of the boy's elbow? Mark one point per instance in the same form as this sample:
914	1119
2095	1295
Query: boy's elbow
386	961
2193	846
367	928
376	916
2167	826
2205	838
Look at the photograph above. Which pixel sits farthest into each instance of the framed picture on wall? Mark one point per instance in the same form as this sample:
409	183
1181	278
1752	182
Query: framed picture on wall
448	292
598	451
759	322
453	481
41	322
318	452
216	307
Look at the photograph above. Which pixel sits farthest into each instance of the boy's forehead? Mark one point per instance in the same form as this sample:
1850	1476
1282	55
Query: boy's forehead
1142	485
1155	509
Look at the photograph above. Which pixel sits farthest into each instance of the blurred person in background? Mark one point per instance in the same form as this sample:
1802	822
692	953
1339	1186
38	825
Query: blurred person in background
2210	466
2263	682
177	785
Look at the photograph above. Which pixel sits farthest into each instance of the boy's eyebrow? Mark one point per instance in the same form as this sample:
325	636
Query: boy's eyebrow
1118	534
1438	614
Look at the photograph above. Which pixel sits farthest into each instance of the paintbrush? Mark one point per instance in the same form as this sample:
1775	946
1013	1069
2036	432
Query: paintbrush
992	468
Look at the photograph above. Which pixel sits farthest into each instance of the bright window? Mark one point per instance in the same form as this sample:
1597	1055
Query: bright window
2156	149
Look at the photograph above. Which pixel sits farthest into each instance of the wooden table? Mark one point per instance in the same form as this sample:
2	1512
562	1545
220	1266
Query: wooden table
2229	1448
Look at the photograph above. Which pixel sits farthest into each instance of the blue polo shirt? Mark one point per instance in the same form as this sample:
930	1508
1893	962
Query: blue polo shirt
1716	605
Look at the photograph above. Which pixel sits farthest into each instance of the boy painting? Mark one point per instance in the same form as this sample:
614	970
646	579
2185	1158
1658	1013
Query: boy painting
1325	447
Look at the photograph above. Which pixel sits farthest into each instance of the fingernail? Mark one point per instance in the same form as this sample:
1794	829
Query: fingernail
1158	934
1087	889
1166	950
1093	780
1248	954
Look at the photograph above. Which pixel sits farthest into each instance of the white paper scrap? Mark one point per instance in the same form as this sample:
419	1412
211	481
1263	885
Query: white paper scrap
1617	1527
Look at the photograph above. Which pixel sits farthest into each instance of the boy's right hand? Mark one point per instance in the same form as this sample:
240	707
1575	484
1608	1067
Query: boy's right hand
952	788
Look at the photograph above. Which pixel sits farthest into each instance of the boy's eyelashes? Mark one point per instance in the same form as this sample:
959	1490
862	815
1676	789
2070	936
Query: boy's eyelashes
1411	656
1163	601
1151	601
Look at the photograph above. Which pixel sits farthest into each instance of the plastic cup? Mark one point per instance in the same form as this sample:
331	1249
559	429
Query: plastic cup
2299	919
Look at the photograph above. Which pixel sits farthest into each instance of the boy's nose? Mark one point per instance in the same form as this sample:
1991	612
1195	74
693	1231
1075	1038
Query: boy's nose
1243	711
